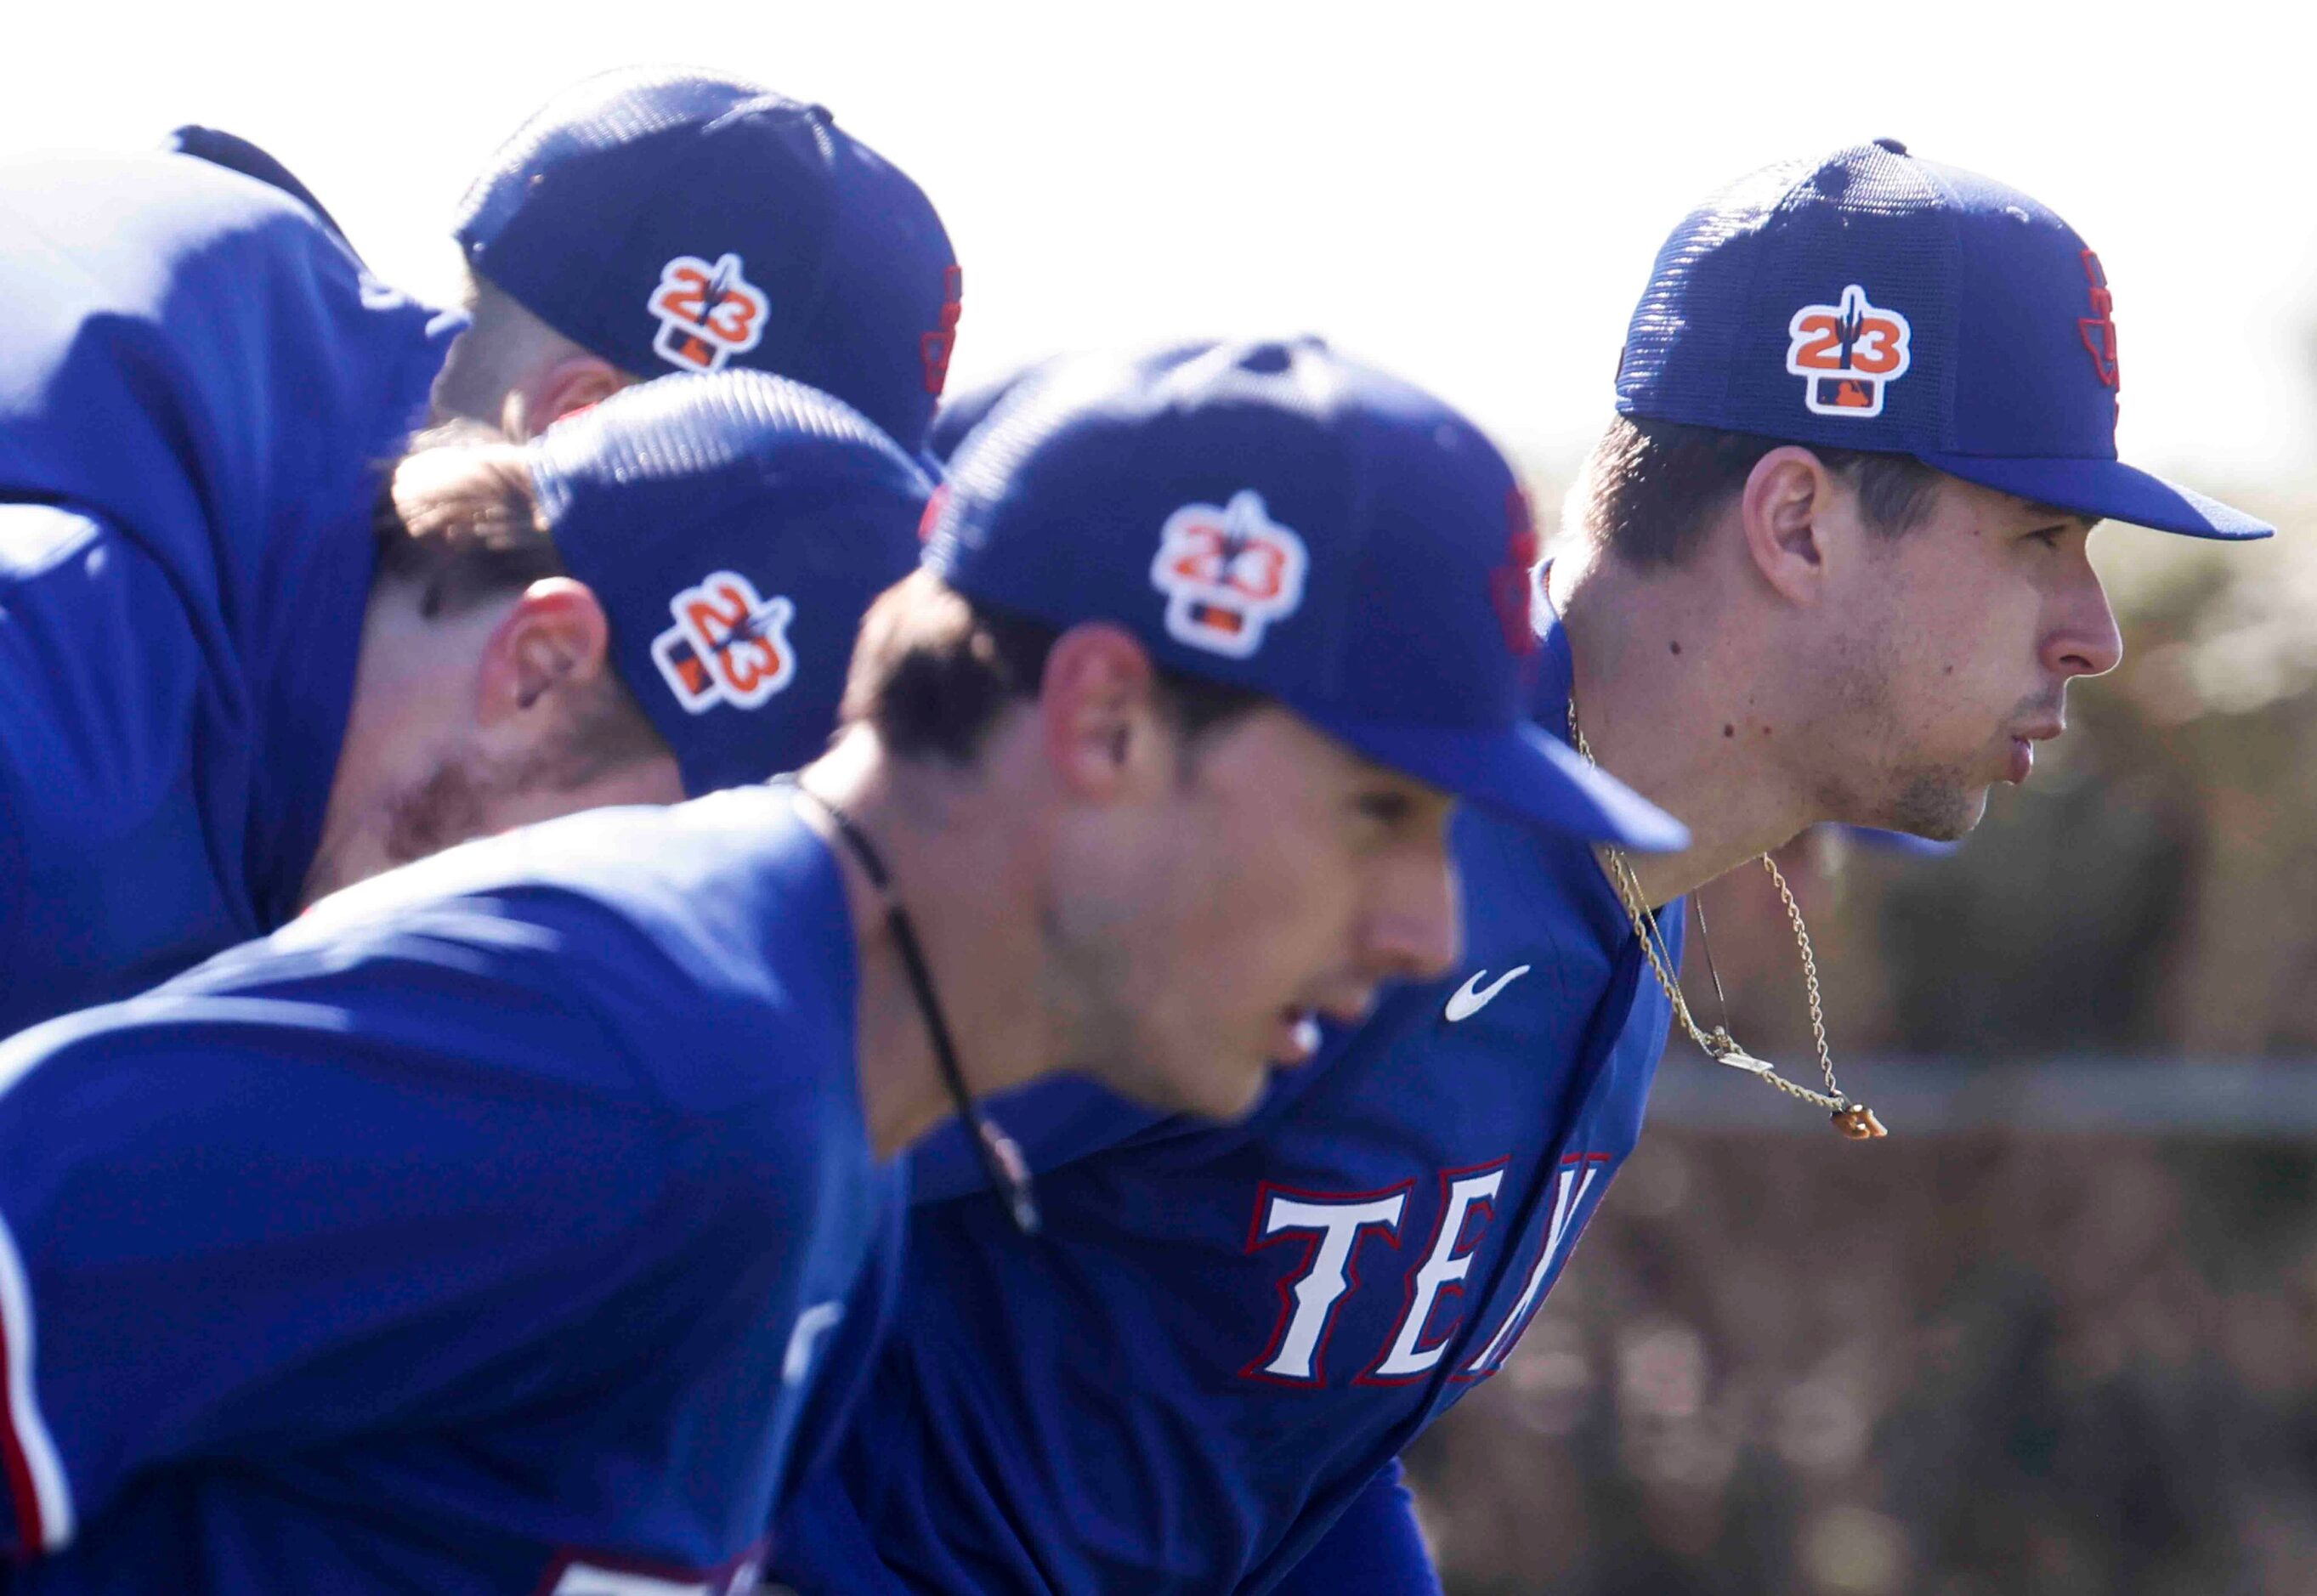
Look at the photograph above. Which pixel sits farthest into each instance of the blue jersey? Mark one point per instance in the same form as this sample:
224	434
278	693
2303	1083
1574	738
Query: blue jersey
199	393
485	1230
1226	1335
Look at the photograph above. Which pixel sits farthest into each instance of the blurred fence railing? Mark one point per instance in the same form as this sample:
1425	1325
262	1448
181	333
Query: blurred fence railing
2260	1099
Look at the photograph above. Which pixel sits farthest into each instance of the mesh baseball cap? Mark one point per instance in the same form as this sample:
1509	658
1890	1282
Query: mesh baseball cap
735	528
676	221
1870	300
954	422
1274	517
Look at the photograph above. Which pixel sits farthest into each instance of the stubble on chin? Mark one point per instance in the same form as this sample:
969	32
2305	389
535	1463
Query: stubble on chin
1941	805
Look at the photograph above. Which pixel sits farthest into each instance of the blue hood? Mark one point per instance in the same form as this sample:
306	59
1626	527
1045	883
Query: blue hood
194	368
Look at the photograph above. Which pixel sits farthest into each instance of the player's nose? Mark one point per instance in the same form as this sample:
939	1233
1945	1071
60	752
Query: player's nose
2084	639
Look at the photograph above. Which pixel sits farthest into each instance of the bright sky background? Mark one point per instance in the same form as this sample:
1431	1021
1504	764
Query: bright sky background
1469	194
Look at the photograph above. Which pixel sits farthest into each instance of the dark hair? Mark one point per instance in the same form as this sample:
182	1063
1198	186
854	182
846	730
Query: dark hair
934	670
458	520
1651	487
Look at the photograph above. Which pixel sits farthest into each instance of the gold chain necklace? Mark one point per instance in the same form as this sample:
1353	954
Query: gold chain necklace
1853	1119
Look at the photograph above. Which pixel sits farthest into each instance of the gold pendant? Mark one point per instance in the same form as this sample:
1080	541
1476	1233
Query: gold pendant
1858	1123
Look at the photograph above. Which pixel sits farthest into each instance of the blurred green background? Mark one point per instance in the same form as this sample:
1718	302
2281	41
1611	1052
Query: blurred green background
2059	1334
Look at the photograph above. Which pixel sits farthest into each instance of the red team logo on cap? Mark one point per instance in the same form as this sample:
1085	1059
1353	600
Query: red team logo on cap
1227	573
934	348
728	645
1509	584
2097	330
1849	351
707	313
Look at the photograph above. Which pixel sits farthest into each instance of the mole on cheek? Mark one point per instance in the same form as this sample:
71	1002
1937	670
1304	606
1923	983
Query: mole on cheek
1729	730
1675	646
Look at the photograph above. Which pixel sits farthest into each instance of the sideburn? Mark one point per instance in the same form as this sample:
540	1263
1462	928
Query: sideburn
449	806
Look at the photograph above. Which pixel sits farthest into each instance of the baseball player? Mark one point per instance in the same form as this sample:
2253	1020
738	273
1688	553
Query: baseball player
603	246
1833	568
598	618
648	221
498	1226
233	680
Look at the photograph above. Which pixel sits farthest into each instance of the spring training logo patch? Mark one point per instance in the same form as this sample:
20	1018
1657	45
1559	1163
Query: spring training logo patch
707	313
728	645
1848	352
1227	573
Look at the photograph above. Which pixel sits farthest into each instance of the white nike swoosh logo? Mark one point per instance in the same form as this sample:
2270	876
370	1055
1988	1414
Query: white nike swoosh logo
1472	997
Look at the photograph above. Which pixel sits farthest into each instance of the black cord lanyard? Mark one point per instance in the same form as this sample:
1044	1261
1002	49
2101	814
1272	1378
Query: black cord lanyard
1001	1157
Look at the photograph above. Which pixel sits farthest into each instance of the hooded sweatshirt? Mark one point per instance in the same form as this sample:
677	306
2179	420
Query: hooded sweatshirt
200	391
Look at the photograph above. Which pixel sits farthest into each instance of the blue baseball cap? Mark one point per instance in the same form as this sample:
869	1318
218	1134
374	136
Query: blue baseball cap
1871	300
735	528
954	422
1274	517
678	221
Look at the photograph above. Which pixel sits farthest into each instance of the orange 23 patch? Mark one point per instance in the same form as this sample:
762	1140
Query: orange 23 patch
707	313
1848	352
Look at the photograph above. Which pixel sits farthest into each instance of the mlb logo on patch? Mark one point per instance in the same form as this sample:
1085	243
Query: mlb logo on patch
707	313
728	645
1227	573
1848	352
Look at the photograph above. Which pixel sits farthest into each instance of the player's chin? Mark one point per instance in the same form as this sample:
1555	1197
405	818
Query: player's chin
1233	1082
1219	1091
1216	1081
1236	1098
1939	807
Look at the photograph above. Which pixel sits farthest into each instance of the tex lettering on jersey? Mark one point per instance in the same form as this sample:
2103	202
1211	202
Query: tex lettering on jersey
1429	1278
1341	1233
1576	1188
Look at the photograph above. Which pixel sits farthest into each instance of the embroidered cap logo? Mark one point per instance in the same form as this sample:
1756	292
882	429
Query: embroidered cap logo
728	645
1848	352
2098	329
707	314
935	347
1228	574
1509	584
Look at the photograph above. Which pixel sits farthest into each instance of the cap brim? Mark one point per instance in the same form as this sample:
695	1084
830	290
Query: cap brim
2108	490
1522	773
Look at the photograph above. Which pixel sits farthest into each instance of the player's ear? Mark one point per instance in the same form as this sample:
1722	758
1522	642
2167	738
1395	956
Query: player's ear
1788	512
554	391
1100	719
553	637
